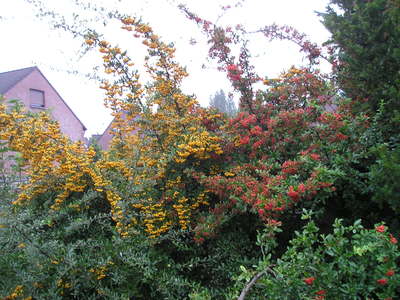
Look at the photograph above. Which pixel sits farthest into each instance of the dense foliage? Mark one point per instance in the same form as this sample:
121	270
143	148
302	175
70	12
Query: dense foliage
366	37
190	203
366	61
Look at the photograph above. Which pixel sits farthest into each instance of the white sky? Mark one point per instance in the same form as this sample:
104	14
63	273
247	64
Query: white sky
27	40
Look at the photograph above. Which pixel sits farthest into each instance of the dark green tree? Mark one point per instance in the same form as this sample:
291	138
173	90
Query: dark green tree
366	37
366	58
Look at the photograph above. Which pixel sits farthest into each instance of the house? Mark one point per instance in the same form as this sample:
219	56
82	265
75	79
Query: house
31	87
104	140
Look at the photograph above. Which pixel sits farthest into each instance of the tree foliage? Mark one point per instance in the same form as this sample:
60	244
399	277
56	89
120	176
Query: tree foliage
365	36
180	204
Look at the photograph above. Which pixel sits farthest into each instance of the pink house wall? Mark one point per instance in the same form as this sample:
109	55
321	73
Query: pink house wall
70	125
104	140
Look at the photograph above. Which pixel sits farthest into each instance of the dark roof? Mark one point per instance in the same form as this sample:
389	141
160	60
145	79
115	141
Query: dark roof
11	78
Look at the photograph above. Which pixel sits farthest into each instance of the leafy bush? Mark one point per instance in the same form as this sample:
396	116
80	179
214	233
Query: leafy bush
71	254
385	176
350	263
172	210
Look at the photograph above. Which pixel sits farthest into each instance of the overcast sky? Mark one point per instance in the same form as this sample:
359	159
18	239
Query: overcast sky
28	40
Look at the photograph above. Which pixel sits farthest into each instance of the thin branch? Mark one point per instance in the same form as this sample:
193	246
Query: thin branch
253	281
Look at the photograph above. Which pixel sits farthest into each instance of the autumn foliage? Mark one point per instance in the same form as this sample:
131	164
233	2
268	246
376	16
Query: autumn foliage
177	169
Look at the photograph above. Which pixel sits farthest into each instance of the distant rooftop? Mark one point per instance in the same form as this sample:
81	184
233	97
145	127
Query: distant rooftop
11	78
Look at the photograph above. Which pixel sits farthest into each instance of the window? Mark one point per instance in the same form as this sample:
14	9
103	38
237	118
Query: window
37	98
